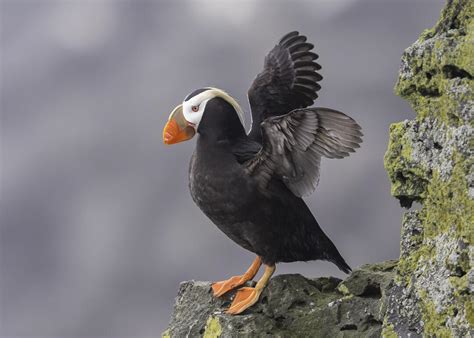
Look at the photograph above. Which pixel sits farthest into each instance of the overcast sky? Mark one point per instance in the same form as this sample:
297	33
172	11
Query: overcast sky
97	225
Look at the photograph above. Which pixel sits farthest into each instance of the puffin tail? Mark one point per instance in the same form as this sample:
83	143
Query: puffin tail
342	265
337	259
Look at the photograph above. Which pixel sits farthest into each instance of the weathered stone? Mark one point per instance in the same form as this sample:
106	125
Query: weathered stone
369	280
429	160
291	305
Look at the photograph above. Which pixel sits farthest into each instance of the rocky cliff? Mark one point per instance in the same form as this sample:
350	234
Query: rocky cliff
429	160
429	163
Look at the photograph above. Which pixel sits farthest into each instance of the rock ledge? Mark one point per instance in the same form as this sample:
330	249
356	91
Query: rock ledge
291	305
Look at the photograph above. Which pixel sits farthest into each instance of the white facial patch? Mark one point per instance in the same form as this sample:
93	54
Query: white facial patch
193	109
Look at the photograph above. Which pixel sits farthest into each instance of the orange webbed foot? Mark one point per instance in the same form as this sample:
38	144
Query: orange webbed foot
222	287
247	296
244	298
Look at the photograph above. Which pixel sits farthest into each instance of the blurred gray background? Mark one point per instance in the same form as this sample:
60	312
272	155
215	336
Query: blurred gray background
97	224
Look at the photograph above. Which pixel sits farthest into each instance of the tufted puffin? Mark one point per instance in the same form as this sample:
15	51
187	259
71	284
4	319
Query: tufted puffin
251	184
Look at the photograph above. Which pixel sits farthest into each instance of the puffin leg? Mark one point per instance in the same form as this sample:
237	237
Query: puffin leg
246	296
220	288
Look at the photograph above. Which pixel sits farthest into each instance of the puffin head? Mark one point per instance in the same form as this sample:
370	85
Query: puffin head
184	120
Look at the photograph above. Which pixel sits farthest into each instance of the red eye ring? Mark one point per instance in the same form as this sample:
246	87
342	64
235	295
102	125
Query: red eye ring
195	108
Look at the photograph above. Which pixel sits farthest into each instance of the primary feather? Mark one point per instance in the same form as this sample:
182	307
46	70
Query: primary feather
293	137
288	81
293	145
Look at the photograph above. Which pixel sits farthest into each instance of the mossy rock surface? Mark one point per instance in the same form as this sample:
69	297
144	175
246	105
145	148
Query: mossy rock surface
429	161
290	306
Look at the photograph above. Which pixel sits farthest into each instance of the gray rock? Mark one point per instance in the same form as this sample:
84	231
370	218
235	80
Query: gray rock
291	305
429	160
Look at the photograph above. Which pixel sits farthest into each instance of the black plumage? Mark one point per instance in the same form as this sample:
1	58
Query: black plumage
233	181
251	186
288	81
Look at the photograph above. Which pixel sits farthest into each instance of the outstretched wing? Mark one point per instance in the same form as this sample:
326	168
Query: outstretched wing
293	145
288	81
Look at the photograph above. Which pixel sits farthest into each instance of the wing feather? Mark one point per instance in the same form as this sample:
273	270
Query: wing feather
293	145
288	81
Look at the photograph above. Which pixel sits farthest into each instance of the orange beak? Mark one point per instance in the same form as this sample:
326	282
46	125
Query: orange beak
177	129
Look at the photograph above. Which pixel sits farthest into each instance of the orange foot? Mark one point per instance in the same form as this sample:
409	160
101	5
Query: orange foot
247	296
220	288
244	298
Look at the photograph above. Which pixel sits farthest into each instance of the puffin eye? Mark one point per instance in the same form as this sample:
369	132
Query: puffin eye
195	108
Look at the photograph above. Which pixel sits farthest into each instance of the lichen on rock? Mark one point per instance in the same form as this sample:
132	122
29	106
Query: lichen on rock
429	160
291	305
437	70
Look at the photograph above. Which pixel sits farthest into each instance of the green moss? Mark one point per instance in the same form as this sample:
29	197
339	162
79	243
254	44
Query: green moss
434	322
447	107
447	205
460	284
408	181
166	334
470	312
213	328
457	14
447	208
437	79
463	298
343	289
388	331
406	266
427	79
